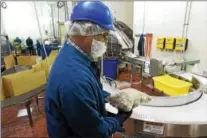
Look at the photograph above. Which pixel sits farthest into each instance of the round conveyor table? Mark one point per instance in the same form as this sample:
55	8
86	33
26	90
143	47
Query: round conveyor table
180	121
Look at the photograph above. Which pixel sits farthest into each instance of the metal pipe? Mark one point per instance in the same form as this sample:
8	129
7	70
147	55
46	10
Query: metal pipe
37	18
52	16
38	23
143	26
67	14
65	11
58	21
185	16
188	20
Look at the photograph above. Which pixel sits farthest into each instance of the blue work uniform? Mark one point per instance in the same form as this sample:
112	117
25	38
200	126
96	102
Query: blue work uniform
74	100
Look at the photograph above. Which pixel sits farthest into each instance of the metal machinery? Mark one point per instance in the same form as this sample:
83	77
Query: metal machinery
5	50
164	116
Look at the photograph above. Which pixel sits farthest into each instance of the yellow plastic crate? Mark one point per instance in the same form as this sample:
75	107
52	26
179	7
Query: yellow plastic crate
171	86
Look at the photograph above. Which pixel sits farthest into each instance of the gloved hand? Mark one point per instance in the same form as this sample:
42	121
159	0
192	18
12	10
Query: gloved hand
127	99
123	116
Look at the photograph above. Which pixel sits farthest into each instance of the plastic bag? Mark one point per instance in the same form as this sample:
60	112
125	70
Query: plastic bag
128	98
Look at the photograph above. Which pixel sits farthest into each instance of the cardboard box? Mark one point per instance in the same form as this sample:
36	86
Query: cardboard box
9	61
45	65
22	82
37	67
26	60
2	92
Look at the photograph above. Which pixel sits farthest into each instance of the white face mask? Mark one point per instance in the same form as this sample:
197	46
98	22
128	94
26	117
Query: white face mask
98	48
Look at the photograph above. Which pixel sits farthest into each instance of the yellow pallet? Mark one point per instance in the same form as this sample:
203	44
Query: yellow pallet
171	86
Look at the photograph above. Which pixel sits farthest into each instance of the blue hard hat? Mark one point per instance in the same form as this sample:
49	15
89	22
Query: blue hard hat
93	11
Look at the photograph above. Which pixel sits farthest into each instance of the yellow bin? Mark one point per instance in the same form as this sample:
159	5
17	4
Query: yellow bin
171	86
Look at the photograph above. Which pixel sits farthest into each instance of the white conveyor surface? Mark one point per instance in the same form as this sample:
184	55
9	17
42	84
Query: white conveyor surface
193	113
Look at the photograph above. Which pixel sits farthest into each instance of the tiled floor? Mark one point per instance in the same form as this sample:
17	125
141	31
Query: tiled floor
19	127
11	126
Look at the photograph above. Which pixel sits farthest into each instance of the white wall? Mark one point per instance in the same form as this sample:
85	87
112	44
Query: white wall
166	19
19	19
123	10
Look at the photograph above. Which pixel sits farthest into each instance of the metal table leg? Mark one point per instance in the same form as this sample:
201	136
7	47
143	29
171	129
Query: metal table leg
27	104
37	102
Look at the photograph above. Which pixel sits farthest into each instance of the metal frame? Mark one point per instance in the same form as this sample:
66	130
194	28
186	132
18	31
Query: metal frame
22	98
26	99
170	130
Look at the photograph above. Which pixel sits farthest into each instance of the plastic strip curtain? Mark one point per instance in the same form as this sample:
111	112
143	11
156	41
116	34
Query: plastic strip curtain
39	28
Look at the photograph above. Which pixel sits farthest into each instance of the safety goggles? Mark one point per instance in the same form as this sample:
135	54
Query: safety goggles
104	37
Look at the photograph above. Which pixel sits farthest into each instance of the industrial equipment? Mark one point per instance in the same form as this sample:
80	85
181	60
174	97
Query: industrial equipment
183	115
5	50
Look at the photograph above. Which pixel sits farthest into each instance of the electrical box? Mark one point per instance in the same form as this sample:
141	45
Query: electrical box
160	43
170	43
181	44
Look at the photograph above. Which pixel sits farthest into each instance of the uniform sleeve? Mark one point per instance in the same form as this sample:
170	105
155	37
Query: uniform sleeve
79	106
105	95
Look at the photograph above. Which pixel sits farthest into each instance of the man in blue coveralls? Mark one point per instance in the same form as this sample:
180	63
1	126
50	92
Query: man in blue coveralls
74	101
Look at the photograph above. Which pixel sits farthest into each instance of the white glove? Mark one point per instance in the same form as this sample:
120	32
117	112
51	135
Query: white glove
128	98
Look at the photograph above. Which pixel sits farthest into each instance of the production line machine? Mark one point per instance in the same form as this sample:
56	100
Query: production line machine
154	67
166	116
